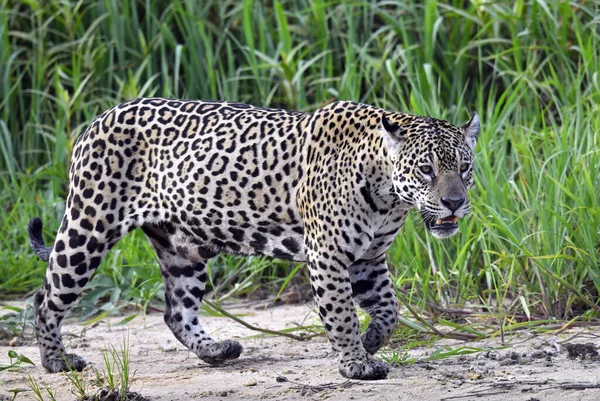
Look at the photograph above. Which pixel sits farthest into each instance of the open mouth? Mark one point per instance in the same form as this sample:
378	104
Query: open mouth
446	223
440	227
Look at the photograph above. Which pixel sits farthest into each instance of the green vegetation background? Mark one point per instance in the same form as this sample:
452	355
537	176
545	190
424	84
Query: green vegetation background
529	67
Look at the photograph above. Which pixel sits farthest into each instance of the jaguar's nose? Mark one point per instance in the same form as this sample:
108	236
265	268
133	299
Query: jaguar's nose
453	203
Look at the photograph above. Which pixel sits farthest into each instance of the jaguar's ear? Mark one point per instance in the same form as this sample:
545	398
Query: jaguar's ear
471	130
393	134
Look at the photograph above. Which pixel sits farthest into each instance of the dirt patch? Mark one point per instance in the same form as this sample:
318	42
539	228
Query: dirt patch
275	368
115	395
583	351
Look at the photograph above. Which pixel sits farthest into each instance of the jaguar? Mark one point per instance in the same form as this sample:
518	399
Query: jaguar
330	188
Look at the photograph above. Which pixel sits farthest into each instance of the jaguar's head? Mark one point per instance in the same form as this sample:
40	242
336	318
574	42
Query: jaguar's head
433	167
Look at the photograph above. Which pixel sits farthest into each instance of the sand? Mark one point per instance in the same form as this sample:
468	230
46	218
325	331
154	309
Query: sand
277	368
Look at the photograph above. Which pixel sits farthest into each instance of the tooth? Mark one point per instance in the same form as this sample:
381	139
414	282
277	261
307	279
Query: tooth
438	221
454	219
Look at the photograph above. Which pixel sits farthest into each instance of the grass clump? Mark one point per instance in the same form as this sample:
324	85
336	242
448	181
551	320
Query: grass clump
38	393
111	383
531	249
116	376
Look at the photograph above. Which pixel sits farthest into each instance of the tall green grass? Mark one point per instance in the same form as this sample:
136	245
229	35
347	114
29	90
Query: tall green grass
530	68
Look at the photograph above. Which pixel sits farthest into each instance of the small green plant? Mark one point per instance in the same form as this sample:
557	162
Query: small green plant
79	385
37	391
106	377
17	391
115	372
112	380
395	357
16	322
16	360
115	376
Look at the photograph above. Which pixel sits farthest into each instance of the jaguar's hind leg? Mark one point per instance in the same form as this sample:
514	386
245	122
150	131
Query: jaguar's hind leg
77	252
185	281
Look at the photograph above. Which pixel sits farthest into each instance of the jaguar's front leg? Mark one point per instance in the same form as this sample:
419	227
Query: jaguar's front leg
373	291
333	296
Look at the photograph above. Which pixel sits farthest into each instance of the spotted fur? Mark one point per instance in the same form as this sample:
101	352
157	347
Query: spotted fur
330	188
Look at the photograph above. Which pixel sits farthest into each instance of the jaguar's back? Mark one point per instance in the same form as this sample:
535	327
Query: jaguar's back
219	175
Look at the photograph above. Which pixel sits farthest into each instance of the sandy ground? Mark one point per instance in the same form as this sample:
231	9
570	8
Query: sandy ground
276	368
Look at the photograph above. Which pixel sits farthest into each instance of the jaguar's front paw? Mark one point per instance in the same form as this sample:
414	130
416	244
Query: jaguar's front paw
219	352
364	369
63	363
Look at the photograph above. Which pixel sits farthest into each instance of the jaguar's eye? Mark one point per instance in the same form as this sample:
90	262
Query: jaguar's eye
464	167
426	169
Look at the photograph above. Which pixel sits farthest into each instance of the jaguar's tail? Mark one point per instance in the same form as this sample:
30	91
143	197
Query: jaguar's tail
36	241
